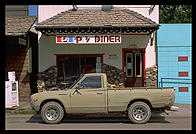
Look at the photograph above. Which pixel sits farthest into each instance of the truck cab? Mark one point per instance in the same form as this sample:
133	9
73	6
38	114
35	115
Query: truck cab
89	94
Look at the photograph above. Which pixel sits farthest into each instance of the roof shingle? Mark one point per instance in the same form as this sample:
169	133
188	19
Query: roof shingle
98	18
16	25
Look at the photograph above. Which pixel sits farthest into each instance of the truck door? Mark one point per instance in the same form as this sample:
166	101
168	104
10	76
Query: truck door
89	96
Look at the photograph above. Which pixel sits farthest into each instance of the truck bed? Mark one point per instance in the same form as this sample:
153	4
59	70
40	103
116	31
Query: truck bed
136	88
118	98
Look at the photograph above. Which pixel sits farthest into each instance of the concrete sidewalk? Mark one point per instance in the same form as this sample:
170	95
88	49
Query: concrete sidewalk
185	110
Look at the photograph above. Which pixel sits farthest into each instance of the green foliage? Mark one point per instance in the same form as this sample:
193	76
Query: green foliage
175	14
20	111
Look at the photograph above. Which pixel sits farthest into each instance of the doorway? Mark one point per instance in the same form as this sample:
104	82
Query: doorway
133	64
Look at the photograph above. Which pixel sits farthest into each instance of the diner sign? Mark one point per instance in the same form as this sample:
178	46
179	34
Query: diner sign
88	39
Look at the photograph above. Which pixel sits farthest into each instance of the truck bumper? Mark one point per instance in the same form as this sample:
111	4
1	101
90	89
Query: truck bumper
33	105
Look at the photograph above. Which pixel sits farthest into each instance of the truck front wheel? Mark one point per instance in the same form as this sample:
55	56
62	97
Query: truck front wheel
139	112
52	112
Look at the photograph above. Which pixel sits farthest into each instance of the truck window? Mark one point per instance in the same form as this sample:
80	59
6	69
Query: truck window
91	82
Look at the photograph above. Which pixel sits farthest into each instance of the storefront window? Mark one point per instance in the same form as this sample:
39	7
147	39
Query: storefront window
70	67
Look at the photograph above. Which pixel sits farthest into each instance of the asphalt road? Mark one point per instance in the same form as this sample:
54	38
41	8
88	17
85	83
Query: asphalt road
176	120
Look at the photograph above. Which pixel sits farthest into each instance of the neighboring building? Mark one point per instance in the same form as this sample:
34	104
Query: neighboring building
21	10
16	10
174	47
95	38
21	49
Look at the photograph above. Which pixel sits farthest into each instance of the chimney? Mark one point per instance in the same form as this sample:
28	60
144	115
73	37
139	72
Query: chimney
75	8
106	7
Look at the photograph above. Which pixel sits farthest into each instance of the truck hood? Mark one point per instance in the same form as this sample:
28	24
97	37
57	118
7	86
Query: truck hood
54	93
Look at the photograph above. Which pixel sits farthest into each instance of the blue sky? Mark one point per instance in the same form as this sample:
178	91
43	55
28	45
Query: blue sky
32	10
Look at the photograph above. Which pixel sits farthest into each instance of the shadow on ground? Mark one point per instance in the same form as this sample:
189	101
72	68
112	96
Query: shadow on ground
105	119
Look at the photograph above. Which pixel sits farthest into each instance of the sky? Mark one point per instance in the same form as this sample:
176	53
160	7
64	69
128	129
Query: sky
32	10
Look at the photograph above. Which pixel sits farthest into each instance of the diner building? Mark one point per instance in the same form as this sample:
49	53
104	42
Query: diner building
119	41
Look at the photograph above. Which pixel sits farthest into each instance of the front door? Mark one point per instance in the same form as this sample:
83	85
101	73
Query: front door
133	68
90	96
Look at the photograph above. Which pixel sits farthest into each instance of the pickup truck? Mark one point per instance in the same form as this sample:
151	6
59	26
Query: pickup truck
90	95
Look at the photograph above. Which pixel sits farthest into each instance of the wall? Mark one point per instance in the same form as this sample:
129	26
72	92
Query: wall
16	10
175	55
48	47
17	59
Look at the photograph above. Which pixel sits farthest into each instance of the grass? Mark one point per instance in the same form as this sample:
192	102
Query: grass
20	111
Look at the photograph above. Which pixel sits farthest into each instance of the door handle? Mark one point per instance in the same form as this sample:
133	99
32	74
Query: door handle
125	69
99	93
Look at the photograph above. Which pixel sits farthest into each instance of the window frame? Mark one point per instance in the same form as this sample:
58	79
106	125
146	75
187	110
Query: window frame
136	65
131	65
101	80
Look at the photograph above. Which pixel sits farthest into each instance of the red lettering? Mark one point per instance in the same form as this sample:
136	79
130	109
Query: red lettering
87	39
117	38
97	38
78	38
102	38
58	39
111	38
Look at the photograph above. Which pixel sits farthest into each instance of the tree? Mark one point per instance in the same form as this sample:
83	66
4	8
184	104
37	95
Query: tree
175	14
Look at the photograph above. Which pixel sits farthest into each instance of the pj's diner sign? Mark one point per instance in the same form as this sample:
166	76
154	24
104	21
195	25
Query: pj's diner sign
88	39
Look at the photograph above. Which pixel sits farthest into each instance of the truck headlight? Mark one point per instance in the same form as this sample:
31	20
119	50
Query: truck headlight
35	100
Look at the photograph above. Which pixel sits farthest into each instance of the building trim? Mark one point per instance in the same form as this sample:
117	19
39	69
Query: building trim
183	89
183	74
100	54
182	58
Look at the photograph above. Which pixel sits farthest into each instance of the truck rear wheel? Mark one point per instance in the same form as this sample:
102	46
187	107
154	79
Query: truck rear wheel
52	112
139	112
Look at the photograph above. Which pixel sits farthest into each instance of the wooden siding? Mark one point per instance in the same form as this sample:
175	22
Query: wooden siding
16	10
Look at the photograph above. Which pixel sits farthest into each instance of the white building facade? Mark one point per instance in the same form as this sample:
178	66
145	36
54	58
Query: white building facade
134	52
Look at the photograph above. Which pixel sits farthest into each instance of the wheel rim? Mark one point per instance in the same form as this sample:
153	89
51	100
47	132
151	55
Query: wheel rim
52	113
139	113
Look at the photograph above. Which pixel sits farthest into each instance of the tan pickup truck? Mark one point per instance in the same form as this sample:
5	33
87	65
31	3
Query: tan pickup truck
90	95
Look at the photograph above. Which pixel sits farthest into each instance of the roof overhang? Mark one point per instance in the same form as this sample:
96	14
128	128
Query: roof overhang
49	30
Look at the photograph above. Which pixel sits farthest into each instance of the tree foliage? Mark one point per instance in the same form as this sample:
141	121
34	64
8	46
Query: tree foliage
175	14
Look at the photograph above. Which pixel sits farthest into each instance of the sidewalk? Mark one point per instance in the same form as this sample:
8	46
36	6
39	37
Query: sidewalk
185	110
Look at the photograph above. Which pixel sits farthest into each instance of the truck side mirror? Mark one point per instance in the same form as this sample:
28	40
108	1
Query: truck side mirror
78	86
76	89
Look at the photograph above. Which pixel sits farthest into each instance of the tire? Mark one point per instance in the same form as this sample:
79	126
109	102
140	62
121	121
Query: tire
52	112
139	112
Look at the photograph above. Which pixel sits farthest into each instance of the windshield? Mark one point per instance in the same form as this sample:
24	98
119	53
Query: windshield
76	81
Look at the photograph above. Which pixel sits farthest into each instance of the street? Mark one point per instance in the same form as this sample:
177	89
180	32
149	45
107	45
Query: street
176	120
